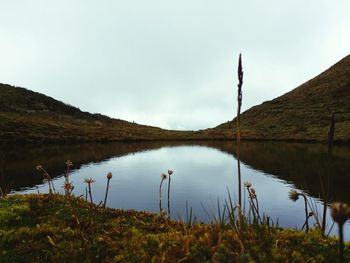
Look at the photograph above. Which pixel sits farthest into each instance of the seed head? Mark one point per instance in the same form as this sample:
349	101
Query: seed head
109	176
68	186
69	163
89	180
294	195
170	172
39	167
247	184
340	212
163	176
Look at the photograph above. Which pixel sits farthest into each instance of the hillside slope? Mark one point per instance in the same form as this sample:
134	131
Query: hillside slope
301	114
27	116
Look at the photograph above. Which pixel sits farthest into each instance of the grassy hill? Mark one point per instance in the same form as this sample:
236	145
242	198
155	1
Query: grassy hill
27	116
301	114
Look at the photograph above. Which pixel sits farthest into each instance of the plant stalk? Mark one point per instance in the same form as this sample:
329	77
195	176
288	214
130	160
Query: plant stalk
341	243
107	188
160	195
90	194
306	215
169	195
238	138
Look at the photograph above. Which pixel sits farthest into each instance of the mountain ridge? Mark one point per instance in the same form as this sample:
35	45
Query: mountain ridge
302	114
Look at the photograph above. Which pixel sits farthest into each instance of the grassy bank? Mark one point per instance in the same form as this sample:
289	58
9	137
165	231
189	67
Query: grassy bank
54	228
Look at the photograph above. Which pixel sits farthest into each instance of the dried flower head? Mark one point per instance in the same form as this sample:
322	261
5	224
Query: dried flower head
170	172
69	163
340	212
294	195
163	176
252	192
68	186
89	180
247	184
39	167
109	176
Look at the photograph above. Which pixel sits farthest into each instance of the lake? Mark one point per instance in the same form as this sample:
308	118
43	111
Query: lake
204	172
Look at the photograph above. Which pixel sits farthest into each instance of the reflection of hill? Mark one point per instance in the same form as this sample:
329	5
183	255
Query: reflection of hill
17	164
299	164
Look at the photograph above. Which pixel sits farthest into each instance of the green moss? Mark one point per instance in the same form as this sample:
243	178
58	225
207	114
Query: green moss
14	213
53	235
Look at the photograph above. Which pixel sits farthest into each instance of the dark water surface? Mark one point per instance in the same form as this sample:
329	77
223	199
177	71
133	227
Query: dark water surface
203	172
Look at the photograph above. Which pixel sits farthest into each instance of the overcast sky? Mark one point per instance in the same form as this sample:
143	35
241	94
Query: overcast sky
168	63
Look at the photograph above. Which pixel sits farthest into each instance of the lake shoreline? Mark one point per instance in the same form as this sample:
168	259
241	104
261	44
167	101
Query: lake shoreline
76	142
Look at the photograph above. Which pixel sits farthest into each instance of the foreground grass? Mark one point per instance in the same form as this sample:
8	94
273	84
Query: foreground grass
44	228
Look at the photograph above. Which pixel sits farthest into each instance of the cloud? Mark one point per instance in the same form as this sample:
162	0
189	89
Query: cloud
168	63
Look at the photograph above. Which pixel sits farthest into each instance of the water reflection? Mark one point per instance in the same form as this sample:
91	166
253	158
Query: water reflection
303	165
307	166
17	163
203	172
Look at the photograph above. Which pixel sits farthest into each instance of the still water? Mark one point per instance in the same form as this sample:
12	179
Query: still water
204	172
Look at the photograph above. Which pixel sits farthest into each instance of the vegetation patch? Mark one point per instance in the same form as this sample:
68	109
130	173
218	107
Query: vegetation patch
56	228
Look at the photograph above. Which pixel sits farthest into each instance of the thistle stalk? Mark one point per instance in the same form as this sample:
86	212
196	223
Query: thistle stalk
89	181
109	177
66	176
324	217
163	177
47	178
341	243
170	172
238	138
306	224
90	194
340	213
294	196
253	196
